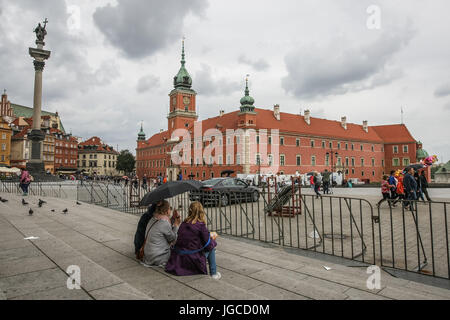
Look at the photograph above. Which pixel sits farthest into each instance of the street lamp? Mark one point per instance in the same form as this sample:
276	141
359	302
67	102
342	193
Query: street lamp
332	163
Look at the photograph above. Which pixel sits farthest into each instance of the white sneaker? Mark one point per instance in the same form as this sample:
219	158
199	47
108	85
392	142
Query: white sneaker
216	276
145	265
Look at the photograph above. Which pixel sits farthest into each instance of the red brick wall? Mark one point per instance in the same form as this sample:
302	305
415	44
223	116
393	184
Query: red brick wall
390	155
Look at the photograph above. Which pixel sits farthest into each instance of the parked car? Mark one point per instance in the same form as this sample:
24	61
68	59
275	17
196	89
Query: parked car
224	191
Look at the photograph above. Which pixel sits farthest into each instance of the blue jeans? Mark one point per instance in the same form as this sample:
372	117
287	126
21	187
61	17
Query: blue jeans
211	257
24	187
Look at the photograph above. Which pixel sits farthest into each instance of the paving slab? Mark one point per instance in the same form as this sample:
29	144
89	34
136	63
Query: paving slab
170	289
25	265
274	293
19	253
92	275
56	249
222	290
109	259
238	264
125	248
402	294
61	293
301	284
355	294
32	282
121	291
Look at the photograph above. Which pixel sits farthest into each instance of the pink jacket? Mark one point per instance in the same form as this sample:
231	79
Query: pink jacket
25	177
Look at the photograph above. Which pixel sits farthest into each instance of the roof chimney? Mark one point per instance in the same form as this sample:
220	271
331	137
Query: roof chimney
307	116
365	126
221	113
276	111
344	122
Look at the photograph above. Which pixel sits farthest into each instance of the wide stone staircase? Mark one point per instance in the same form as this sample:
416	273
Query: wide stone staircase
100	242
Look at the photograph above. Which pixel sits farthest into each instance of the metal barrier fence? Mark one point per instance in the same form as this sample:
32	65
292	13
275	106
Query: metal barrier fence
63	189
115	196
415	239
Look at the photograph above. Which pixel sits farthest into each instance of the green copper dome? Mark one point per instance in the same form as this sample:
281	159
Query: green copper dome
141	134
421	154
247	101
182	79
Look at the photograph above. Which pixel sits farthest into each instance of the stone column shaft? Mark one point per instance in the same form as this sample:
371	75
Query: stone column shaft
37	99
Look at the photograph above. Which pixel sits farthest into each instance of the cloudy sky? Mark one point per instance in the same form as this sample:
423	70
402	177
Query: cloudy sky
113	61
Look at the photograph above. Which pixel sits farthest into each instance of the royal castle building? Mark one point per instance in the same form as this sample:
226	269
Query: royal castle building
302	143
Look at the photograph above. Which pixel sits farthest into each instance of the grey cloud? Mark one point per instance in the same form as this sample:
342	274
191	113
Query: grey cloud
258	65
207	85
442	91
66	71
338	69
146	83
447	106
141	28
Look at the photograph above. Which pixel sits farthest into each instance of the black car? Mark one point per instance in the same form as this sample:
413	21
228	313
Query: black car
223	191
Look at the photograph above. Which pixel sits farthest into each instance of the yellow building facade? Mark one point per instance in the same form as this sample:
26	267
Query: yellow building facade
5	143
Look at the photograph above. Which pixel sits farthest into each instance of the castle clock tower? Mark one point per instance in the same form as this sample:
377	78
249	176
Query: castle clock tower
182	100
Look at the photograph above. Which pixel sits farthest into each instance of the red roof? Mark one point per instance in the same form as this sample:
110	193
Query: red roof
96	141
296	124
394	133
318	127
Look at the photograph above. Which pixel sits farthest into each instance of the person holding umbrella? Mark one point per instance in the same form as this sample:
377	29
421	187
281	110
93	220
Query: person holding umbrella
139	237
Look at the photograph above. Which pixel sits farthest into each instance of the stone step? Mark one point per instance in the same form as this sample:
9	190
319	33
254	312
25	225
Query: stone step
103	238
41	266
153	282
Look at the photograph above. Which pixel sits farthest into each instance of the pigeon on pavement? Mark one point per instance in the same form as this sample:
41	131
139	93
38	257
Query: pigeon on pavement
3	200
53	210
78	203
24	202
30	212
65	210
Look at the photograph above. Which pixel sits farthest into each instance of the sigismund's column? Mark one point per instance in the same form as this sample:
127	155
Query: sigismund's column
36	164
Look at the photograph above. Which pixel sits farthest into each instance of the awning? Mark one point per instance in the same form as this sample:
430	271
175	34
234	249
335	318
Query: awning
66	171
9	170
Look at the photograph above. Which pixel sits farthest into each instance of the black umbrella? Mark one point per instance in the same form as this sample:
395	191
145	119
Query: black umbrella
169	190
227	172
416	166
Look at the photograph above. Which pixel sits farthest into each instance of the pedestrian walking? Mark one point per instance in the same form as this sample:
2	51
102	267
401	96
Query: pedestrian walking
424	185
25	180
393	182
419	193
400	190
326	182
410	188
385	190
316	184
144	182
311	181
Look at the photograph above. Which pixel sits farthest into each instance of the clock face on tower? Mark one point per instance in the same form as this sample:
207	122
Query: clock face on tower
186	100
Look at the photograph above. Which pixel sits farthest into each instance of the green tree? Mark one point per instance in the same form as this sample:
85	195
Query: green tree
125	161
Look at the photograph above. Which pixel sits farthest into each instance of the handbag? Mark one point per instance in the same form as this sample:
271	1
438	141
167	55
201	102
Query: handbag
140	254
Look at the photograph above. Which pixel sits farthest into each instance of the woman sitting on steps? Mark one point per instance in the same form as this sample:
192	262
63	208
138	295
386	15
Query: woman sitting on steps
160	235
194	246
